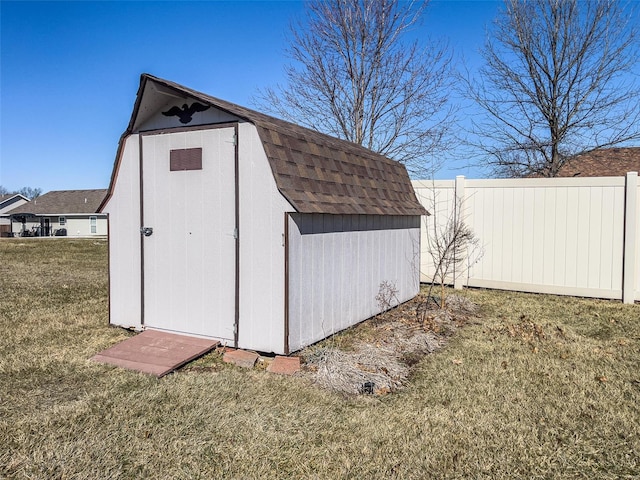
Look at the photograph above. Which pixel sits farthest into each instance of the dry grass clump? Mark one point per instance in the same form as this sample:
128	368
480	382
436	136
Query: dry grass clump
384	364
377	355
487	405
348	372
381	355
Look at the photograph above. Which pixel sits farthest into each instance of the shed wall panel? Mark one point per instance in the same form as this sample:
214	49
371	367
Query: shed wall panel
124	239
336	274
262	259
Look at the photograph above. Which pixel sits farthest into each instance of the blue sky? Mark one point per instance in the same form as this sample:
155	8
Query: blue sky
69	71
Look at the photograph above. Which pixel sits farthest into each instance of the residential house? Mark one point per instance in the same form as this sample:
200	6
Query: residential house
604	162
72	213
9	202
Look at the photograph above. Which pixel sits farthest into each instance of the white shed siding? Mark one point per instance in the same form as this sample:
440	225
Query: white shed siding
337	264
261	229
124	239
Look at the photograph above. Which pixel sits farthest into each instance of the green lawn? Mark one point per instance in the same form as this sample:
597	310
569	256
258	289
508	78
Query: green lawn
538	387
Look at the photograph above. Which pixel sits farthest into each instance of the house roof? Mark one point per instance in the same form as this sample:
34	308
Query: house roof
8	196
61	202
315	172
605	162
9	199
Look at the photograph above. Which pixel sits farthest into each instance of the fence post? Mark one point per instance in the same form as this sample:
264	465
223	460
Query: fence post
630	237
458	207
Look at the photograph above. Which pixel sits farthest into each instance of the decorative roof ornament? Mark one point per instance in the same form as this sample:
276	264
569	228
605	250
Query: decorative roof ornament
185	114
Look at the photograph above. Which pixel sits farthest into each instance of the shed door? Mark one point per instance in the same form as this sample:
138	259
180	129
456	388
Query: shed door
189	257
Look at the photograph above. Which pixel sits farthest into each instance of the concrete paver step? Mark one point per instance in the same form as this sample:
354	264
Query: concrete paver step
284	365
241	358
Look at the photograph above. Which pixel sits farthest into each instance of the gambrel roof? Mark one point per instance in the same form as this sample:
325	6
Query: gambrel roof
64	202
315	172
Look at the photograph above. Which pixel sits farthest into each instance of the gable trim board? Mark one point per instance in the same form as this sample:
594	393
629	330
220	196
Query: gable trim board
299	199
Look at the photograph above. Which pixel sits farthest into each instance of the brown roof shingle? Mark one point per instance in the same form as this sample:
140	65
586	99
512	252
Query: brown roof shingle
317	173
605	162
61	202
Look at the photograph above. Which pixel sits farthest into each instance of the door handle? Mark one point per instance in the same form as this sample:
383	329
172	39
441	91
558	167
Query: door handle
146	231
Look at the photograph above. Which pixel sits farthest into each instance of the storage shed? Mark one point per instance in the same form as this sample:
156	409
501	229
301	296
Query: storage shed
230	224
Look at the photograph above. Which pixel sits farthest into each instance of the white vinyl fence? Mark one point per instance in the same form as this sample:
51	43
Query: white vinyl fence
567	236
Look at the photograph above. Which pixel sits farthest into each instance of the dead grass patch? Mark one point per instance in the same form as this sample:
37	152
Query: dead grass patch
377	355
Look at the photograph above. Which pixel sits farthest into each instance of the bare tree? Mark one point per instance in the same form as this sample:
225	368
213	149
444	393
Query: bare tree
29	192
558	80
355	77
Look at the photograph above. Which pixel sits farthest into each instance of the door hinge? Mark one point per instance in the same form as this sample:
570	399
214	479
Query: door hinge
235	233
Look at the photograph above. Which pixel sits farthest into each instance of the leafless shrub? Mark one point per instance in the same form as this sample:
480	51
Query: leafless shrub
387	296
461	305
452	246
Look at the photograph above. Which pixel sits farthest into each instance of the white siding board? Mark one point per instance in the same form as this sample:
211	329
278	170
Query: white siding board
262	260
528	239
345	270
537	232
123	209
477	222
295	287
582	217
497	220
